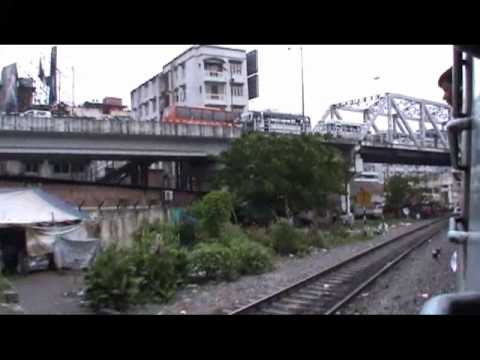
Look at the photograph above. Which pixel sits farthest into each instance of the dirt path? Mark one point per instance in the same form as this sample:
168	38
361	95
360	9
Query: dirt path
44	293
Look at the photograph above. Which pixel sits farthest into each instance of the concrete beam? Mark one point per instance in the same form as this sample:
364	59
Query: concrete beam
403	156
109	146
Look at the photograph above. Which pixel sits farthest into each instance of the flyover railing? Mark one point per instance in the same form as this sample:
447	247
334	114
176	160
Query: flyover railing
113	127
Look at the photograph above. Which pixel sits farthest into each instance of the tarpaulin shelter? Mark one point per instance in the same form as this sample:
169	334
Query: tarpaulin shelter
51	226
35	206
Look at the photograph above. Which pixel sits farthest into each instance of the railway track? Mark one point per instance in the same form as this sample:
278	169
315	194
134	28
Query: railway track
329	290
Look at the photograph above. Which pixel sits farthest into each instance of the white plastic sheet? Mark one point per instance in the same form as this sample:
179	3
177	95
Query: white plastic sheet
41	240
34	206
75	250
39	244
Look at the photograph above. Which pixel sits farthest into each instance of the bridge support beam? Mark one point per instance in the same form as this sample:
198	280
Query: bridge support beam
195	175
139	174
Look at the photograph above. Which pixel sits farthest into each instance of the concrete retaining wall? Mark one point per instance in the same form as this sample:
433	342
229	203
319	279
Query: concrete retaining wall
117	226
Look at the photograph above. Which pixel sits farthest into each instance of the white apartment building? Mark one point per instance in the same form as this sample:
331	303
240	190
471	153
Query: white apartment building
201	77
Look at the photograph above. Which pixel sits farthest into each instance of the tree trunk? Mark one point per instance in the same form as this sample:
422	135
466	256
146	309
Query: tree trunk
288	213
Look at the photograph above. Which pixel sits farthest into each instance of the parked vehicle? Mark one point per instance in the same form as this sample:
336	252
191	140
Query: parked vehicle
37	113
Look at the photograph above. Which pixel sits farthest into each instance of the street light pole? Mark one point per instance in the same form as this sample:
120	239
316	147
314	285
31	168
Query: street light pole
303	87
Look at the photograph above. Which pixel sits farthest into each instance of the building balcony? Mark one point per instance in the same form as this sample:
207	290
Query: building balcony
239	101
215	99
238	78
215	76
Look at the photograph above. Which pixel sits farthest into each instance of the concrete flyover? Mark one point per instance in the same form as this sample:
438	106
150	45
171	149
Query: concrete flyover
110	139
28	137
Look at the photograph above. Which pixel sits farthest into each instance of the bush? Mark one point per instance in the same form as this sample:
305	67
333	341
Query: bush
149	271
181	261
260	236
168	234
186	233
288	240
230	233
337	237
341	232
156	264
214	210
316	239
250	257
213	261
112	281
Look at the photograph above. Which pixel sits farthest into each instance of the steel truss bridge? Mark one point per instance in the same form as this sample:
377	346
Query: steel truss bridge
398	113
393	128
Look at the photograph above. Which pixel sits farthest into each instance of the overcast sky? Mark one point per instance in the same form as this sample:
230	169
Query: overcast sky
333	73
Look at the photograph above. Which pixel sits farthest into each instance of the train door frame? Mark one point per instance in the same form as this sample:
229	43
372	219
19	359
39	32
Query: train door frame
463	132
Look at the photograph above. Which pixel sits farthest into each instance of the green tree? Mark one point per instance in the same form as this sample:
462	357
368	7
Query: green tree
292	173
402	191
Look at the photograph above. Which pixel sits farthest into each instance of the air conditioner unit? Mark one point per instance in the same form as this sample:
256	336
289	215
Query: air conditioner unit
168	195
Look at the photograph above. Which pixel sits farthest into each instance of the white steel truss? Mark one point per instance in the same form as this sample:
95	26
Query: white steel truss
399	111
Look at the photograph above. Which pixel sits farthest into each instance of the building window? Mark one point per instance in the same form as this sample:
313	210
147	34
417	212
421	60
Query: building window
183	93
214	89
145	91
236	67
182	71
140	111
213	67
31	167
200	89
146	109
176	96
237	90
61	168
77	168
154	105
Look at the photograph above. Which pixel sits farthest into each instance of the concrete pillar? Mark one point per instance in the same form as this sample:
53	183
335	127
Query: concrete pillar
347	202
144	174
178	175
134	176
14	167
45	169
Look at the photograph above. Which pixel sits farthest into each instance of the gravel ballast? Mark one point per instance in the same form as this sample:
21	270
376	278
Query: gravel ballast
410	283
